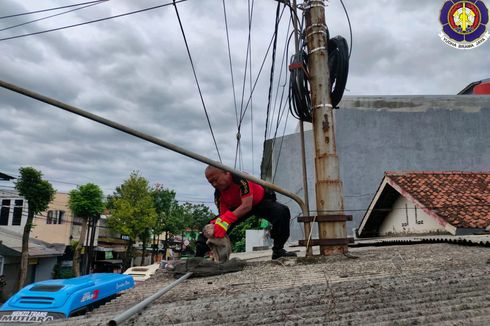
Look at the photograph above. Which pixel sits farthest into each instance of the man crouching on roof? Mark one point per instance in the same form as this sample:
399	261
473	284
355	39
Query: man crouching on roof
237	199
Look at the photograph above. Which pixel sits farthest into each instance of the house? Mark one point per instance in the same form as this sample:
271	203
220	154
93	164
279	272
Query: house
110	250
416	203
375	134
57	224
42	259
5	177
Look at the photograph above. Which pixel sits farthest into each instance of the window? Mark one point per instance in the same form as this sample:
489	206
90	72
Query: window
17	218
4	212
55	217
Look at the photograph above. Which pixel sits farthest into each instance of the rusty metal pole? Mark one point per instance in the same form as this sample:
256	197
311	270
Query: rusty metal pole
328	187
307	225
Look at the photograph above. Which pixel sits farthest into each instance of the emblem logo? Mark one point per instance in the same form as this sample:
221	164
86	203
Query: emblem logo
464	23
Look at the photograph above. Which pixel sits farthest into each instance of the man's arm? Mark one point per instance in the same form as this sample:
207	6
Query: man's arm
245	206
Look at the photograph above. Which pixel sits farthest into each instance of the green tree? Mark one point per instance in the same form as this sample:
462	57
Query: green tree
166	207
197	215
132	211
237	235
38	193
87	201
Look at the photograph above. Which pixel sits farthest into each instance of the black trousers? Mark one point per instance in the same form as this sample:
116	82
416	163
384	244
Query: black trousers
276	213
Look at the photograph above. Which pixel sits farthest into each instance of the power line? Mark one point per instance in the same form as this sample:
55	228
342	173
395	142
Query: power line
250	85
197	81
91	21
50	9
247	69
51	16
350	27
271	77
258	75
229	59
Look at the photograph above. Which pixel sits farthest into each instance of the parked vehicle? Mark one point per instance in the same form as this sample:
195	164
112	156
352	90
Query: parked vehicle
62	298
142	273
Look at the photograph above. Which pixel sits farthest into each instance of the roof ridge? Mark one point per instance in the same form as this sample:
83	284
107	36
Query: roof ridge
425	172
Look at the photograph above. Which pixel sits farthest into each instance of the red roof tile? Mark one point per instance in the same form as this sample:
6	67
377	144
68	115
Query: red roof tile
461	198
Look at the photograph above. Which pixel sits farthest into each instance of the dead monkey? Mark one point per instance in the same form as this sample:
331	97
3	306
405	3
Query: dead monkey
220	247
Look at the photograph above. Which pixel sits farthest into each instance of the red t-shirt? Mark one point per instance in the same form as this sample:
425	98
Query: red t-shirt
231	198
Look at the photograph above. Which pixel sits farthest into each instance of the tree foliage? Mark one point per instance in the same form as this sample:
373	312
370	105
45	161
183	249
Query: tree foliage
87	201
237	235
196	215
38	193
133	210
167	209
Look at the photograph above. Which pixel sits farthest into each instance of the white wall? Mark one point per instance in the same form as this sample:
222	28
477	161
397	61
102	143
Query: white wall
256	238
13	196
405	218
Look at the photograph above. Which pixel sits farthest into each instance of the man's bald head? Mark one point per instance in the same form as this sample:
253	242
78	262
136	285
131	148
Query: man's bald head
218	178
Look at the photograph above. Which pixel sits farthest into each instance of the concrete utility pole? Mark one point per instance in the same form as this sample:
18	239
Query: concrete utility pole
329	198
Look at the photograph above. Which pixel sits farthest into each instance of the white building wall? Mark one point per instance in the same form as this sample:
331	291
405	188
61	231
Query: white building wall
12	196
256	238
405	218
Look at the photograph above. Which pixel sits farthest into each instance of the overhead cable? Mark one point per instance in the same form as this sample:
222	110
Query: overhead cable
91	21
247	70
271	77
50	9
51	16
350	27
197	81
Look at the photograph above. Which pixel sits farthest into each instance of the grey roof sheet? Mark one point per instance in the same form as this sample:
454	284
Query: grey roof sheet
37	248
411	284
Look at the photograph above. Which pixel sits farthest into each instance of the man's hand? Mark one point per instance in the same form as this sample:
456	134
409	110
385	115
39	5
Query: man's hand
222	224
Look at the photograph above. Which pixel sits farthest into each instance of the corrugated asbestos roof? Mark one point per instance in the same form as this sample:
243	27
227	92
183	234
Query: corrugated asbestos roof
422	284
460	198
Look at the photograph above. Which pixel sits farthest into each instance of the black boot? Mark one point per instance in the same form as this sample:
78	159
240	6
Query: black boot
279	253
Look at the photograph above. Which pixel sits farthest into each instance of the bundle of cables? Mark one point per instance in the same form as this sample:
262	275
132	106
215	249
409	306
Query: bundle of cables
299	92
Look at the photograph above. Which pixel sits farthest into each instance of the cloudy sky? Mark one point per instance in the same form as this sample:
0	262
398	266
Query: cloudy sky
135	70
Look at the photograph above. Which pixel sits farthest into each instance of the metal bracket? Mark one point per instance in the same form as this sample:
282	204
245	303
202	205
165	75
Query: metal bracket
319	106
325	218
326	242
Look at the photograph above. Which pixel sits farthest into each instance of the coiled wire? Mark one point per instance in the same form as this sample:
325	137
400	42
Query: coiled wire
299	90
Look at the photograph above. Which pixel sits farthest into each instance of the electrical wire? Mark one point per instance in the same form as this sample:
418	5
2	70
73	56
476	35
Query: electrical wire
281	85
271	76
51	16
247	70
230	61
91	21
195	77
350	27
257	78
50	9
250	86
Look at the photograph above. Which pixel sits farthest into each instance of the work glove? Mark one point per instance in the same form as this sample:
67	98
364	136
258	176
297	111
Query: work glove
222	224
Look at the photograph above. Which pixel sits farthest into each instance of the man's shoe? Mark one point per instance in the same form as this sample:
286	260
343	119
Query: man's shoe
276	254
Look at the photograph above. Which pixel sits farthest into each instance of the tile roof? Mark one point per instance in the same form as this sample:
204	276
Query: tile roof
460	198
